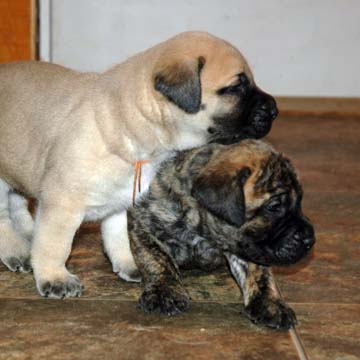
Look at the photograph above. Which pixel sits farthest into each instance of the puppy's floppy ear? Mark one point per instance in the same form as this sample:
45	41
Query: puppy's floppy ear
223	197
180	83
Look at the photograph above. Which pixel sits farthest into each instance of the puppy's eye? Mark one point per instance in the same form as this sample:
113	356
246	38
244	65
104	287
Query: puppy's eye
273	206
232	90
240	88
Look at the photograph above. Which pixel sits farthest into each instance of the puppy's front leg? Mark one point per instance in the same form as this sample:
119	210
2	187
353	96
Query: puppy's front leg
116	245
55	227
262	305
163	292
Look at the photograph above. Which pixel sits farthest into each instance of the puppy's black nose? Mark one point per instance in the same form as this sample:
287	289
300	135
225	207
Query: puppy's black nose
307	239
272	108
274	112
308	242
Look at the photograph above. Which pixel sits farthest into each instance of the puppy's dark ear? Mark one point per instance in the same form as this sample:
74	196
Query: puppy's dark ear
180	83
223	198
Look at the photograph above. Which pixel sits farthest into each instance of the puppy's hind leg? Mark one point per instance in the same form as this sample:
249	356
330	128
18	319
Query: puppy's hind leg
262	305
20	215
14	249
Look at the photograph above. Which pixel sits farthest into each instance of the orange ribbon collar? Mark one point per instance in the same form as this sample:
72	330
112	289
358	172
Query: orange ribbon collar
137	177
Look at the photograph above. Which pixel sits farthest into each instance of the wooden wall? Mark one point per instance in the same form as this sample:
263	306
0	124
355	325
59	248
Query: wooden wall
17	30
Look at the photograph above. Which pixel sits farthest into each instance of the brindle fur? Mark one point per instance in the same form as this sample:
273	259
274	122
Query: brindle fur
209	204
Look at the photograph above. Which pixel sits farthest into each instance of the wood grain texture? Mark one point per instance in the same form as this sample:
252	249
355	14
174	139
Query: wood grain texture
323	107
17	30
323	289
82	329
330	331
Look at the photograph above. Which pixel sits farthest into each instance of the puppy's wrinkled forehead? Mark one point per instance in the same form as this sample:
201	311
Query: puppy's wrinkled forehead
271	172
223	62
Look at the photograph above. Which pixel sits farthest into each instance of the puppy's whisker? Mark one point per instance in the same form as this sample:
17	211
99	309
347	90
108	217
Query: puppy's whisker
293	332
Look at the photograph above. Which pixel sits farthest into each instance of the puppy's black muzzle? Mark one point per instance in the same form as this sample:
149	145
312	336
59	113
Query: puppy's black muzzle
259	112
284	244
295	243
252	118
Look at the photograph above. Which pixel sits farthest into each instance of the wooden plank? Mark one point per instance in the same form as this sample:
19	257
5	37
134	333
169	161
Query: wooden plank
333	107
17	30
112	329
33	30
330	331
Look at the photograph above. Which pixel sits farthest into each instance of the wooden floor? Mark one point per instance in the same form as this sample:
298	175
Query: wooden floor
323	289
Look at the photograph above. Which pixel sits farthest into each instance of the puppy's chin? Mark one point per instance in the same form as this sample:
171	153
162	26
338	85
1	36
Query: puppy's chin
257	128
287	254
226	139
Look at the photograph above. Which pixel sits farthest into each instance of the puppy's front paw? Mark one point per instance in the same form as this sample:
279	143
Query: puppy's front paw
127	272
164	300
18	264
125	267
60	288
133	276
273	313
16	256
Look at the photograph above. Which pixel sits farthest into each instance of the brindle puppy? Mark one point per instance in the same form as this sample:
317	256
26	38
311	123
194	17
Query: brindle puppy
240	202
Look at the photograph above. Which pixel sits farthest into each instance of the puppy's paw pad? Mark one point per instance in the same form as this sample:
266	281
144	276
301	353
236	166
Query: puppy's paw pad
271	313
18	264
163	300
58	289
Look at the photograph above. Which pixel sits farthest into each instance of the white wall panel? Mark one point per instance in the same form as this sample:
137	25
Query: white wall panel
295	47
